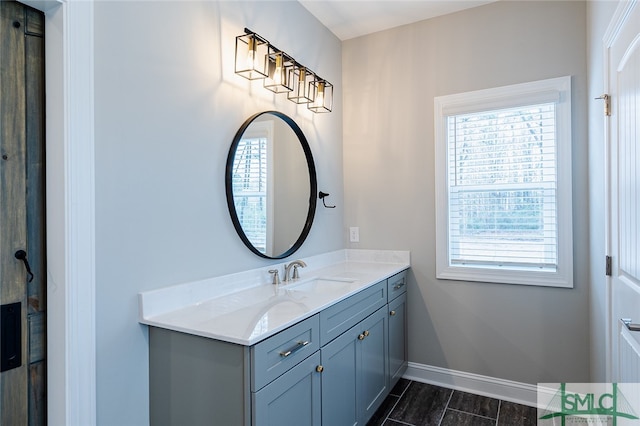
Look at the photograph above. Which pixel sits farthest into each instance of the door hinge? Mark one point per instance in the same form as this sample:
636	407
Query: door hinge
607	268
607	103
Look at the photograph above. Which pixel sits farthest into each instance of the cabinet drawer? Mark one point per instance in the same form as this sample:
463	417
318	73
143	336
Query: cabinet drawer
340	317
397	285
277	354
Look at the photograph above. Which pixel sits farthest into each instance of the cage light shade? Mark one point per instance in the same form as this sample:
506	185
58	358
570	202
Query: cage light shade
251	56
322	92
302	83
278	66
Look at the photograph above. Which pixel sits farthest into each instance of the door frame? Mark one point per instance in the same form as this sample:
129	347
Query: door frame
71	333
620	15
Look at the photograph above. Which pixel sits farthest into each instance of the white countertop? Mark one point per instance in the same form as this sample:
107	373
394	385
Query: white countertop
245	308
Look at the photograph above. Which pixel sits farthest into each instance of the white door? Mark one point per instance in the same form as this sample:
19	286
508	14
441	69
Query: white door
623	47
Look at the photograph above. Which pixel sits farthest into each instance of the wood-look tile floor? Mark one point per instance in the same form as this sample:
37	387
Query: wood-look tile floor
417	404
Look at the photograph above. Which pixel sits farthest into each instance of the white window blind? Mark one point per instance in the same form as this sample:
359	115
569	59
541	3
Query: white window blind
503	184
250	189
502	187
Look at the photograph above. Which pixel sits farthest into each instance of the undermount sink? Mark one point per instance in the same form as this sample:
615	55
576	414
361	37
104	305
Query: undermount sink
320	283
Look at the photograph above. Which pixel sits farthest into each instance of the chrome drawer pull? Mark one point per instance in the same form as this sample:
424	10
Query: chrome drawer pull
296	348
397	286
630	326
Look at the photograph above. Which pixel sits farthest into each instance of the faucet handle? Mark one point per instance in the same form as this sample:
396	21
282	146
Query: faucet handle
296	275
276	277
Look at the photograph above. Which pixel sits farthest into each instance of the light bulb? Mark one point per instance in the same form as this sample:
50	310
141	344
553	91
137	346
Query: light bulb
301	81
277	75
319	101
251	53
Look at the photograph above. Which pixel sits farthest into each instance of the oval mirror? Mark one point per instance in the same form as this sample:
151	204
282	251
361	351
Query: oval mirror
271	185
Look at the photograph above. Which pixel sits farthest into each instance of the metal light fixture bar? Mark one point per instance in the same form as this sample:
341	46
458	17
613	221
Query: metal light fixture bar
256	58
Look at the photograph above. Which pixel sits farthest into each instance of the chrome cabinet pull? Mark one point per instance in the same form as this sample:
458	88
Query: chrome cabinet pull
630	326
392	313
319	369
363	335
294	349
398	286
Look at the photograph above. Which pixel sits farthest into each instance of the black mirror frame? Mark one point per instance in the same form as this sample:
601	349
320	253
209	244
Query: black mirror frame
312	178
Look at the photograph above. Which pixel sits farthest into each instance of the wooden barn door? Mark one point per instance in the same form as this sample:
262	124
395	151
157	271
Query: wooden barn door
22	217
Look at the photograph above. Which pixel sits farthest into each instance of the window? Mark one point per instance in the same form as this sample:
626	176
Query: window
503	184
252	196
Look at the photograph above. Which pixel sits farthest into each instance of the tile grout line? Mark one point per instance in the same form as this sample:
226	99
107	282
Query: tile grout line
394	405
446	407
401	422
391	411
472	414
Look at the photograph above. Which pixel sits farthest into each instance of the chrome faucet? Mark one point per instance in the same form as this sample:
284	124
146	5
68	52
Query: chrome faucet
287	268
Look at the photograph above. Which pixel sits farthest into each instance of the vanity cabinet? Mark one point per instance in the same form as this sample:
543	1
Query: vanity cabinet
354	377
397	338
397	311
333	368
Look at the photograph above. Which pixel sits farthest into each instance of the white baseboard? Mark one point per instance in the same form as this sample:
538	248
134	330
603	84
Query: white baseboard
507	390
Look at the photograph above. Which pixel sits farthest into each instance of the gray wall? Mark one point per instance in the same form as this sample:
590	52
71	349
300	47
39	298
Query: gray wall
167	105
522	333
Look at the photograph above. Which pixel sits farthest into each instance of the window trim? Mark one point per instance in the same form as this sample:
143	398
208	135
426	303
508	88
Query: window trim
556	90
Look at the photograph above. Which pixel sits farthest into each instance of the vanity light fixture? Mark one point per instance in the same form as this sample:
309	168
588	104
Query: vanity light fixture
256	58
322	93
302	80
251	56
278	66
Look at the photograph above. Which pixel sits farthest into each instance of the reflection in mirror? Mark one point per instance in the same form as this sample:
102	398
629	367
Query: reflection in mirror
271	185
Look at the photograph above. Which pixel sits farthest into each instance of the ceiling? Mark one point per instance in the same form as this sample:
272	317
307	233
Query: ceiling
353	18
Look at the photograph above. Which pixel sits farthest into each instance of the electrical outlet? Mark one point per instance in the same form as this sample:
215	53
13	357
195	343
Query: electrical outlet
354	234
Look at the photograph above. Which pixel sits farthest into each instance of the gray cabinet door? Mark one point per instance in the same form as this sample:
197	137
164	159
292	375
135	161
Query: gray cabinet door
373	366
355	378
340	378
291	399
397	338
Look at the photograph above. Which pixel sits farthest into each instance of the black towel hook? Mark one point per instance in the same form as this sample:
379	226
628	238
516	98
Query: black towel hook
321	196
22	255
